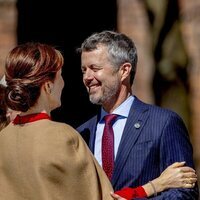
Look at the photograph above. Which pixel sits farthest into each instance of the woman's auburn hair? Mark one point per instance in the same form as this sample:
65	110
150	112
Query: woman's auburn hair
28	67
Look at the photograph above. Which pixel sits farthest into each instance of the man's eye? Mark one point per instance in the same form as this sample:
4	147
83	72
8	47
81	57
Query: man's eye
95	69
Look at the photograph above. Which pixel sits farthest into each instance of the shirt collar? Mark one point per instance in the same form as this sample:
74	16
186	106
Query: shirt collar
122	110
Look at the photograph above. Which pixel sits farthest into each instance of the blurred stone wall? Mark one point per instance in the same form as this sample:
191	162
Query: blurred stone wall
8	23
179	52
132	20
190	15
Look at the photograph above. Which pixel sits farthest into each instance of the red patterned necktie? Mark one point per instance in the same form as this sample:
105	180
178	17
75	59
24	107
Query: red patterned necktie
108	145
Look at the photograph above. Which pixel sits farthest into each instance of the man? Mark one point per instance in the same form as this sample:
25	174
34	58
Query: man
147	138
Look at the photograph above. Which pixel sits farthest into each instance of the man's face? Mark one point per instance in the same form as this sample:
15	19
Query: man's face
101	79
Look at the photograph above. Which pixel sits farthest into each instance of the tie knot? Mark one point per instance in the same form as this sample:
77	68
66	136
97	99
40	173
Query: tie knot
109	119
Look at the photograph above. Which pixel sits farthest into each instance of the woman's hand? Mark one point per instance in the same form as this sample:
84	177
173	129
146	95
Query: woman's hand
116	196
176	176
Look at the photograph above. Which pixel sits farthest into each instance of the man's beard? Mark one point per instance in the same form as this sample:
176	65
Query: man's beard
107	96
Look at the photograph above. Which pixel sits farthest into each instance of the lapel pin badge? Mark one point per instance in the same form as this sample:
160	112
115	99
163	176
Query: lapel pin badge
137	125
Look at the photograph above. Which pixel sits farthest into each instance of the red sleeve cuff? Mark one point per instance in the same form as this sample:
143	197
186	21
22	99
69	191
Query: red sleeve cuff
130	193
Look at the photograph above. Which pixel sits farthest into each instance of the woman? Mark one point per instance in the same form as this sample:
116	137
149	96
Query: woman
39	158
42	159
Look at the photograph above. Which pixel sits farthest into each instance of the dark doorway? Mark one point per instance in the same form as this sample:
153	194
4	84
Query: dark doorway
65	24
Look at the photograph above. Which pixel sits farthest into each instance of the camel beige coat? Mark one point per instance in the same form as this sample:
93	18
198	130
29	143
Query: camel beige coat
46	160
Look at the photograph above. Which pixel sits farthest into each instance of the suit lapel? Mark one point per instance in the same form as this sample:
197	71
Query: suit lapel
93	126
92	134
135	122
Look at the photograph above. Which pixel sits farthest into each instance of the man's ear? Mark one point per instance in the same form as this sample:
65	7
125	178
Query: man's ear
48	86
125	70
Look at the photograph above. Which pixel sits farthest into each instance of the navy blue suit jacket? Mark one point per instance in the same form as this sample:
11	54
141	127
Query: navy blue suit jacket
145	151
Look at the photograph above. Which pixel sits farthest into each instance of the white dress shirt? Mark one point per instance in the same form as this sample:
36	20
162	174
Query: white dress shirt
118	127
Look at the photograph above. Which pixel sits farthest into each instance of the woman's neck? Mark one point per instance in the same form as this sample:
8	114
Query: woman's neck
35	109
41	106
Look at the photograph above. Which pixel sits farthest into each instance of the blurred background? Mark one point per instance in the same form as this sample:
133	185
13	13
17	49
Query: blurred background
165	32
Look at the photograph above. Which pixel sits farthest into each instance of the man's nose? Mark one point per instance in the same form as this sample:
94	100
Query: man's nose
88	75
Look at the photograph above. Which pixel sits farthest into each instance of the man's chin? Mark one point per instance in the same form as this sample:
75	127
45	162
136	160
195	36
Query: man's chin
95	101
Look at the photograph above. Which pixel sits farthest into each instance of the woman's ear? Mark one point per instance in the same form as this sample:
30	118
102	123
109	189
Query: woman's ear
125	70
48	86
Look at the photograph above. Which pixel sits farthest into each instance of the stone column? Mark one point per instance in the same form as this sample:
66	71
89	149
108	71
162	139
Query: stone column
132	20
8	22
190	13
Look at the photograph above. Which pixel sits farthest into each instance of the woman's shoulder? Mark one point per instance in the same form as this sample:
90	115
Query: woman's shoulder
62	129
66	135
53	125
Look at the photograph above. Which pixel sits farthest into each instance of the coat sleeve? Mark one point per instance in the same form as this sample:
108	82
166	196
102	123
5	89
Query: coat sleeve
131	193
175	146
83	170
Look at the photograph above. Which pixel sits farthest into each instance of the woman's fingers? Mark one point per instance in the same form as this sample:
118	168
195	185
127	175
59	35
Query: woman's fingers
177	164
190	180
188	185
189	175
186	169
178	176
